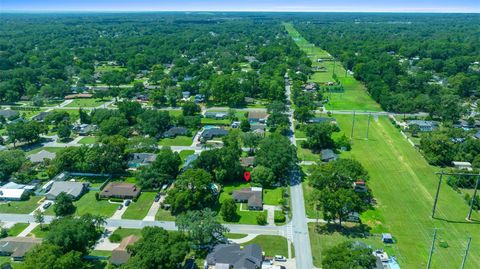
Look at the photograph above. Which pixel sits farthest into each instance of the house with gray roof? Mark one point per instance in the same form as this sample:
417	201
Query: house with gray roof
174	131
7	113
213	132
233	257
140	159
72	188
42	156
327	155
216	115
424	125
41	116
16	247
252	196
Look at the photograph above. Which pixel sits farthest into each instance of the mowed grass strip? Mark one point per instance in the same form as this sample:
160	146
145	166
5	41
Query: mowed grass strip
354	97
17	228
404	185
177	141
139	209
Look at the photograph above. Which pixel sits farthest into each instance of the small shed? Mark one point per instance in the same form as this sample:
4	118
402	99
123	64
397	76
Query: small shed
387	238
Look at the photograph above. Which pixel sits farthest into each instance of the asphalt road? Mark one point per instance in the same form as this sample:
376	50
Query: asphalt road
300	237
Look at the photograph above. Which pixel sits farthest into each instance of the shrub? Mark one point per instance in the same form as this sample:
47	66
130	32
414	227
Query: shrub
261	219
279	216
115	238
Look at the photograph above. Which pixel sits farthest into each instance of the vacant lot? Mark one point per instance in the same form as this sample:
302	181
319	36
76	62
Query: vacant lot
177	141
271	244
20	207
139	209
404	185
87	102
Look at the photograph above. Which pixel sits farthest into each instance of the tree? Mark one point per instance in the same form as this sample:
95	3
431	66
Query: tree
348	255
25	132
438	148
193	191
39	217
75	234
263	175
84	117
51	256
10	161
158	249
190	108
303	114
319	136
154	122
341	173
261	219
64	131
165	168
64	205
201	226
245	125
130	110
158	98
113	126
277	153
337	205
229	210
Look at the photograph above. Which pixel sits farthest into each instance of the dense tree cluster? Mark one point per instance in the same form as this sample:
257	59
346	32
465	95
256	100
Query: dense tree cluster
349	255
404	59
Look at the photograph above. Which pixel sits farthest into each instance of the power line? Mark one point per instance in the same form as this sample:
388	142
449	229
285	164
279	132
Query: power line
436	195
466	252
432	248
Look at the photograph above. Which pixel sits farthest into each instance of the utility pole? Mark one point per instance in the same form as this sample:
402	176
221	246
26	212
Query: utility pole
353	125
436	195
432	248
368	124
473	199
333	66
466	252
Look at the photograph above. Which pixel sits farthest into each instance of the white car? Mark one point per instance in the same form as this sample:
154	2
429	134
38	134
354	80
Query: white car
280	258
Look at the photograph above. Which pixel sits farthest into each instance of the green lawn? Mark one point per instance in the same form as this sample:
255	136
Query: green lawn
355	96
108	68
39	232
20	207
175	113
272	196
124	232
185	153
17	228
209	121
74	115
235	236
49	149
100	253
164	215
271	244
306	154
88	204
88	140
139	209
177	141
404	185
246	216
87	102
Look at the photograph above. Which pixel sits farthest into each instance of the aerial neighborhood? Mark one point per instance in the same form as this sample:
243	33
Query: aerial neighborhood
239	141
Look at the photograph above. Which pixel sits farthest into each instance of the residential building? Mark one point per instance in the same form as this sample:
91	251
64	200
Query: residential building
424	125
257	116
140	159
12	191
120	255
247	161
16	247
41	116
213	132
327	155
188	163
41	156
72	188
462	165
174	131
84	129
225	256
121	190
7	113
216	115
185	95
253	196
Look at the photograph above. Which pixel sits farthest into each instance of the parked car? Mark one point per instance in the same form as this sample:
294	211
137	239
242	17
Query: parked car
280	258
120	207
157	198
47	205
127	202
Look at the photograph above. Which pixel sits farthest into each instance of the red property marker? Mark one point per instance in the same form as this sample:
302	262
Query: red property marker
246	175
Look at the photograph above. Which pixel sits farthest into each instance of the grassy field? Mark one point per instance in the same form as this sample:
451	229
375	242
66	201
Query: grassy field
88	204
354	97
20	207
272	196
87	102
74	114
124	232
177	141
209	121
139	209
185	153
88	140
17	228
271	244
306	154
39	232
404	185
164	215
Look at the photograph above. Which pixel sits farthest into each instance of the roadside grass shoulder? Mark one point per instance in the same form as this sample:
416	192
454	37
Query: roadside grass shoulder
17	228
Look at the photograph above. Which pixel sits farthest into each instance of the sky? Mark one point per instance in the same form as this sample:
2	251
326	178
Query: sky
464	6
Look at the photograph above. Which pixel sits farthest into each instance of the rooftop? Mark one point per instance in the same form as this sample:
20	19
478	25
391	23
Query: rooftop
250	257
120	189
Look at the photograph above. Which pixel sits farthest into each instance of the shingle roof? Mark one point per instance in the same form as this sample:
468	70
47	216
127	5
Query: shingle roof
257	114
8	113
210	133
72	188
175	131
40	156
328	154
250	257
120	189
18	246
253	196
120	255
